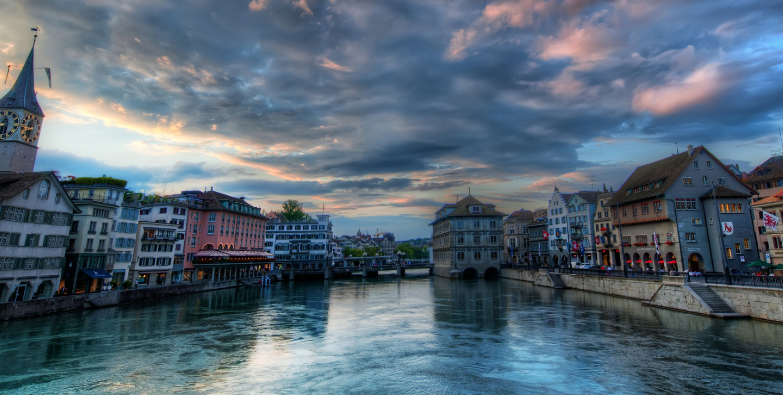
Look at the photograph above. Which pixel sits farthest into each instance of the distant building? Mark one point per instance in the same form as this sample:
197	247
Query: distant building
607	246
516	236
154	253
581	209
773	205
559	239
302	244
467	239
767	180
538	231
171	212
386	242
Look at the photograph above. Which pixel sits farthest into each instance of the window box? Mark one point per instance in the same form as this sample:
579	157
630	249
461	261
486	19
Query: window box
640	244
669	243
603	229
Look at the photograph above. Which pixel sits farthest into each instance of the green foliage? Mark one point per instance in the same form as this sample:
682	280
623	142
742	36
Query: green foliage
355	252
100	180
372	250
292	211
127	284
412	252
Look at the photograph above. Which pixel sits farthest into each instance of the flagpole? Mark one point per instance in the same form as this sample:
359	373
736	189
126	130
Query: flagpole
622	243
720	231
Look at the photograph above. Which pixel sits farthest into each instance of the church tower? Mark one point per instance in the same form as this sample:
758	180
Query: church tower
20	122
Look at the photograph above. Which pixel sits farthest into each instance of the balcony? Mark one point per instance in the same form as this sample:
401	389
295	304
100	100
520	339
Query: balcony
114	199
91	232
104	232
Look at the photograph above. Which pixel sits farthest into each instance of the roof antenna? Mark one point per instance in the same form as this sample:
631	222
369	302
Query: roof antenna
781	137
678	147
592	182
468	191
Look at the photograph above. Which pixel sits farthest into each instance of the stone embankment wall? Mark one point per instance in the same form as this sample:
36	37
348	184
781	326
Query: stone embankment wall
69	303
763	303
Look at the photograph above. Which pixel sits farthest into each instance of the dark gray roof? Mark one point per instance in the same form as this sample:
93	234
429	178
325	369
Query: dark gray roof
22	94
724	192
12	184
588	196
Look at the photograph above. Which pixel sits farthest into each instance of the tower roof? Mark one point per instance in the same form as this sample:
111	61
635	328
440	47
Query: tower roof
22	94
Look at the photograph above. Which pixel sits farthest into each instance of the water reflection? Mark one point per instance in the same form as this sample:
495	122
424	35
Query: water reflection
390	335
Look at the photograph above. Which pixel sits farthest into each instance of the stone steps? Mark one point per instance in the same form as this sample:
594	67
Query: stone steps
557	282
715	303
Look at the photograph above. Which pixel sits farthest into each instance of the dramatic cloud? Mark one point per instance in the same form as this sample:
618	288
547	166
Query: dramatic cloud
383	109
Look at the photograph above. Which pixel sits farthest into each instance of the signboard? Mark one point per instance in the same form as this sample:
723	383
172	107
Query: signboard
728	228
767	255
694	249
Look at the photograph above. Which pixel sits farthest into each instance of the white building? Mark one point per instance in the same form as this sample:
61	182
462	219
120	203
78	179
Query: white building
124	228
34	223
170	213
559	241
154	253
301	244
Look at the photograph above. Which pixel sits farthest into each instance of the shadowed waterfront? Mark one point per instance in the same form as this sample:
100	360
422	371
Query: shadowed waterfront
390	335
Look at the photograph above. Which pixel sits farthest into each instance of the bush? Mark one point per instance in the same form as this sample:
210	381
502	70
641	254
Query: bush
100	180
127	284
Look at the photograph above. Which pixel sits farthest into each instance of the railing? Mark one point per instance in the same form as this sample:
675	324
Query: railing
114	199
740	280
636	274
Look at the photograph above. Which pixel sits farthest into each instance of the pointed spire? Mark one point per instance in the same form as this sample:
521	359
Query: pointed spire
22	94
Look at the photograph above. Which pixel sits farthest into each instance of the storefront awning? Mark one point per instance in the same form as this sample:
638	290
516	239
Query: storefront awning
153	272
96	273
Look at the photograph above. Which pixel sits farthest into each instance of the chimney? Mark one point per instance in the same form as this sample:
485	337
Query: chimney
690	149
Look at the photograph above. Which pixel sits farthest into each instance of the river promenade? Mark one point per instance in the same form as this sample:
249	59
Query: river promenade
390	335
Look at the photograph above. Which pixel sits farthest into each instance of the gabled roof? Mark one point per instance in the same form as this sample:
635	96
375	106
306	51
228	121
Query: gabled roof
522	215
22	94
659	176
12	184
212	201
463	211
771	169
723	192
587	196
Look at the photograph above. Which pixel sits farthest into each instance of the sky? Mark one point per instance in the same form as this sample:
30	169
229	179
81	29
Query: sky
381	111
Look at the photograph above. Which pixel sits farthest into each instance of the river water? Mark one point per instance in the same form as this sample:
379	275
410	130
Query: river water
415	335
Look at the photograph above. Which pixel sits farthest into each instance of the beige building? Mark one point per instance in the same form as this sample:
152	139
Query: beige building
773	205
767	180
467	239
607	242
516	237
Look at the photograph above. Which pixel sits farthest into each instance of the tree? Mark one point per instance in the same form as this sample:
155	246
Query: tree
372	250
350	251
407	249
292	211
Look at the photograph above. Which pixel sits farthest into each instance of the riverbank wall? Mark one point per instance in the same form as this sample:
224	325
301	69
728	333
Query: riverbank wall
671	293
64	304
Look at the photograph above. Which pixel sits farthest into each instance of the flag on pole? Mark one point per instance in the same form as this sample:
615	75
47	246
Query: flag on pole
35	29
655	240
49	75
546	235
582	249
771	220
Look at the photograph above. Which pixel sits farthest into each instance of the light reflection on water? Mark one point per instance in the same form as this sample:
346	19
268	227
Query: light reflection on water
418	335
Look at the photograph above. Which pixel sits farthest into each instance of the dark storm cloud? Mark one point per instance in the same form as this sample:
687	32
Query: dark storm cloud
372	85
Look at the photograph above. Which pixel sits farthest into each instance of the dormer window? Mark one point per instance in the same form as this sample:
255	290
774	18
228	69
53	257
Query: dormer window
43	190
475	209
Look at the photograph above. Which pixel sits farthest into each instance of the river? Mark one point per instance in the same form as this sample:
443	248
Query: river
415	335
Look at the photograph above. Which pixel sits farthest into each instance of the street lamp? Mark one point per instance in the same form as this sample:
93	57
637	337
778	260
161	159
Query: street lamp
364	262
399	255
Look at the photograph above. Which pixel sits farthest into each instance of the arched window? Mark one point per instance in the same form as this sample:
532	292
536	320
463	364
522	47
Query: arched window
43	189
220	246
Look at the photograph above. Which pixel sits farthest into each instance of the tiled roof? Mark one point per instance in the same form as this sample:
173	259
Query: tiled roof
588	196
225	254
212	202
22	94
12	184
462	209
772	169
665	170
723	192
522	215
778	197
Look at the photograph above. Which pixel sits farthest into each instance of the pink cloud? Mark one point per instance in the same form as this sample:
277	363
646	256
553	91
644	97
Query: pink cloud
460	41
700	86
586	44
324	62
258	5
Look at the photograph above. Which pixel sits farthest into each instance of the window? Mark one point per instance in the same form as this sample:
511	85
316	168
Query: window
737	248
460	225
461	256
634	210
460	240
709	221
88	246
57	198
93	226
493	255
31	240
492	224
625	212
104	228
645	209
695	164
163	210
690	237
26	194
747	244
705	181
475	209
493	239
476	224
211	229
730	207
212	217
476	240
43	190
101	245
722	181
687	181
728	253
477	255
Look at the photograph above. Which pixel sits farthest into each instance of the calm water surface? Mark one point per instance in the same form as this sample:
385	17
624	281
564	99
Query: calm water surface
417	335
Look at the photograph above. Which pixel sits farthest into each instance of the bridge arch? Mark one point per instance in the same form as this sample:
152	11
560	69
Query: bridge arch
469	273
491	272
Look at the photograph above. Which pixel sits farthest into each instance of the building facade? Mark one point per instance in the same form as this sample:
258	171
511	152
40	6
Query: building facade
35	219
767	180
606	239
124	231
305	244
581	210
559	240
20	122
772	205
684	201
538	233
516	236
467	239
154	253
170	212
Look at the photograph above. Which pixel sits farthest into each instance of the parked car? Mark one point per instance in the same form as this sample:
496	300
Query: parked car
581	265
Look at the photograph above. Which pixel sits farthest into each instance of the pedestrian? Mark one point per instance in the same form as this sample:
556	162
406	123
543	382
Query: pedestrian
135	283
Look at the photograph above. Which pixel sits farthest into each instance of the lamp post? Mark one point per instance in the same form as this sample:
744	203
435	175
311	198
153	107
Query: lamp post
364	261
399	256
349	258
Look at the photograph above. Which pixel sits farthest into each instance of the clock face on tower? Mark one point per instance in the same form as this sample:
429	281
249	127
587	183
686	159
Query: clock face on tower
9	123
31	128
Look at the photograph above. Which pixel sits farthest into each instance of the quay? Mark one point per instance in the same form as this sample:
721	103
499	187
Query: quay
697	296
